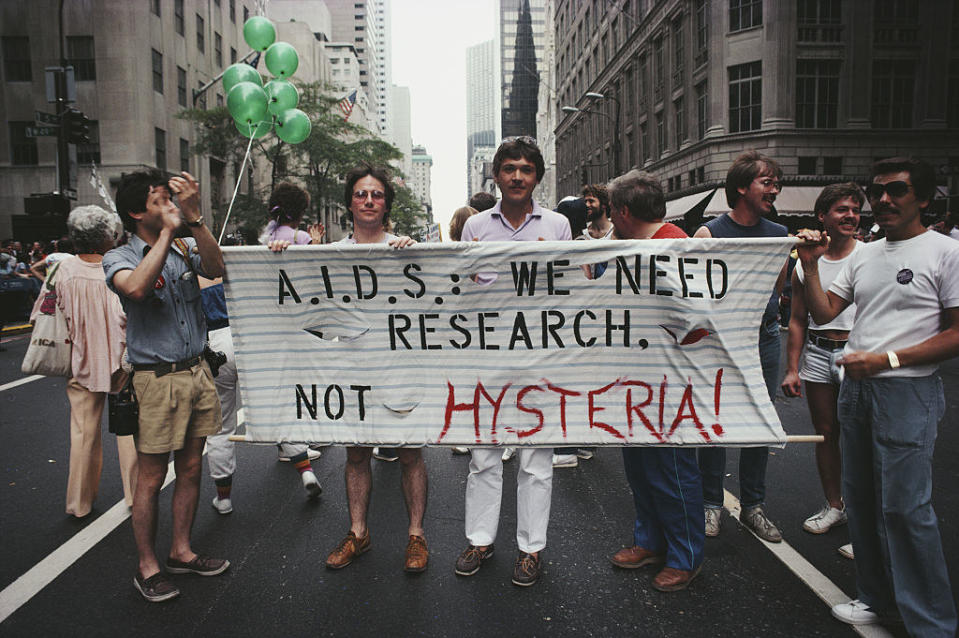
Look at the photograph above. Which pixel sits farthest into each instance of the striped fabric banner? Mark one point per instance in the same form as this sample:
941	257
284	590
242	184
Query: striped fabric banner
365	344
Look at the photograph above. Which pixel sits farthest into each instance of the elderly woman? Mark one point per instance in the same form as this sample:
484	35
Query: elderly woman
97	329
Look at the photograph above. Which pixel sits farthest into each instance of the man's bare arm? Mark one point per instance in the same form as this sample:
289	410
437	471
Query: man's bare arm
188	192
798	322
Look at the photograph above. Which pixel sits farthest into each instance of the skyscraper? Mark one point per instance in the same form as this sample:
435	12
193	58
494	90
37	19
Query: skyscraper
480	109
522	23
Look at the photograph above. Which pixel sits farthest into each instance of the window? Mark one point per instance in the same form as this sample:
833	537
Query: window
630	150
745	14
659	60
643	82
16	59
832	165
701	17
155	7
159	136
178	22
701	174
232	55
184	155
893	83
219	99
218	49
679	108
660	133
233	11
692	177
23	149
679	53
90	153
80	55
817	93
819	20
896	22
952	108
702	111
807	165
745	97
644	135
157	71
181	86
200	37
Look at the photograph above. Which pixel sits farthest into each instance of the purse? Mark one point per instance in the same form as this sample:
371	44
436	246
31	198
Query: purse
50	351
124	411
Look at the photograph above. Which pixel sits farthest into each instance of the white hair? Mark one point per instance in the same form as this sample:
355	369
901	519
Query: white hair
91	226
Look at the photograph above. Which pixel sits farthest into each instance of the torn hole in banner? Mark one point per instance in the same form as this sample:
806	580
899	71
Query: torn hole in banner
337	332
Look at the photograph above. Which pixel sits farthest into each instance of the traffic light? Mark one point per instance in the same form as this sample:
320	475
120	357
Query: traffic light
76	127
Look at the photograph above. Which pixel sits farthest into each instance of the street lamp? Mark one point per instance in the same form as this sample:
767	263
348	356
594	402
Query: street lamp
617	142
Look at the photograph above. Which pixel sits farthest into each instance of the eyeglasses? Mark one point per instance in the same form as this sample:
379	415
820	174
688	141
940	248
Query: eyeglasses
360	196
526	139
898	188
770	184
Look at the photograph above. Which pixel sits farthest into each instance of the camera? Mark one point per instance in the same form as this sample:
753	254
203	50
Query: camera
214	359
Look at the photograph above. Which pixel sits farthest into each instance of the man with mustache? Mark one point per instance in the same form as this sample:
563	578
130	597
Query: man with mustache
597	207
752	183
890	402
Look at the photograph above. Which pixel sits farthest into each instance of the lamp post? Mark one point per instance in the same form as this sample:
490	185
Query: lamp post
617	142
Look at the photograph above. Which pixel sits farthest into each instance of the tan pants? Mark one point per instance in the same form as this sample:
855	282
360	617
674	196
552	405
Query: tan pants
86	451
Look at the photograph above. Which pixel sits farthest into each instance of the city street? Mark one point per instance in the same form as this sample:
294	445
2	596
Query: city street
277	542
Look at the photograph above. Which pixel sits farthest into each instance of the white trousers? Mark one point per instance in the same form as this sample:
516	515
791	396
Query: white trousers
534	489
221	451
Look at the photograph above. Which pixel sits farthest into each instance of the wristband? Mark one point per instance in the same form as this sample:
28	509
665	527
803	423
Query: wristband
893	359
195	224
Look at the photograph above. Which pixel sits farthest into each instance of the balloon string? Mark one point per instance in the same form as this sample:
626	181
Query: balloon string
239	178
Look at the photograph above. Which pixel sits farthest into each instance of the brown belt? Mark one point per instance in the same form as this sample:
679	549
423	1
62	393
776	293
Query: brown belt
163	368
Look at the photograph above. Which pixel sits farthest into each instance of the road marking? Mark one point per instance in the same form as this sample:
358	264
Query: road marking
824	588
19	382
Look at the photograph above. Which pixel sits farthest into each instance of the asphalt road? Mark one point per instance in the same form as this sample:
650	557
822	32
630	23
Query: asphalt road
277	542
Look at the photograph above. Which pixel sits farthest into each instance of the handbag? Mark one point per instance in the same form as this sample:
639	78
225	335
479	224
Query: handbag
50	350
124	411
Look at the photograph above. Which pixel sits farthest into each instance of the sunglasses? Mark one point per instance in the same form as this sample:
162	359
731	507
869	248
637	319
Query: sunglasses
526	139
360	196
895	189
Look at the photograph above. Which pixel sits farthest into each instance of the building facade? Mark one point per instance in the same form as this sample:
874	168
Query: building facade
481	112
681	87
420	179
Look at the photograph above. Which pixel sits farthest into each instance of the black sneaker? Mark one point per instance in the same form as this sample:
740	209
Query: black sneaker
201	565
156	588
471	559
526	570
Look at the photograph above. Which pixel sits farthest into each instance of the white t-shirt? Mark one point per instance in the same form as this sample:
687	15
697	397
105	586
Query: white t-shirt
53	258
828	270
954	233
900	289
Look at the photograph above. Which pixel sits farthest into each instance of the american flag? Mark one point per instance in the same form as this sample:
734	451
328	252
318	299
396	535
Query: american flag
346	104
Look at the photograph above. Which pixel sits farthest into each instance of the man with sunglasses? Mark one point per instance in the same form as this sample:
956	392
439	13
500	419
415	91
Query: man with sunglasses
890	401
752	184
517	168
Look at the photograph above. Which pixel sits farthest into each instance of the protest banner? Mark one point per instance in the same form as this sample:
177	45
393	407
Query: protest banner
366	344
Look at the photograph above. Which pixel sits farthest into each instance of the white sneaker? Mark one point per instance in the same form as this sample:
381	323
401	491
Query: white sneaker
584	453
312	486
310	453
846	551
565	460
855	612
824	520
713	518
460	450
508	453
222	505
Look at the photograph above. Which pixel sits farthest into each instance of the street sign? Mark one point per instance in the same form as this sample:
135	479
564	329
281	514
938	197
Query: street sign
41	131
46	118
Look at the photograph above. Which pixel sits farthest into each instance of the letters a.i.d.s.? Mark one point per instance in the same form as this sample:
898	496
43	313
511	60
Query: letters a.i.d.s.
371	345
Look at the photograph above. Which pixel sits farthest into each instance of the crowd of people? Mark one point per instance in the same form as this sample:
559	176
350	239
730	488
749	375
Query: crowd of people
869	324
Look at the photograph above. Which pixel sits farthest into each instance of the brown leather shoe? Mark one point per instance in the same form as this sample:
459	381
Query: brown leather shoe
348	549
672	579
417	555
635	557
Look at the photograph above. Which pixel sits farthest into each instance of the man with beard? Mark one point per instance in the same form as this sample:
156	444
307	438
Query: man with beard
597	206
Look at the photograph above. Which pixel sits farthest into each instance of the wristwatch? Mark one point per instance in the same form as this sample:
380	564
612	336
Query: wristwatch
893	359
195	224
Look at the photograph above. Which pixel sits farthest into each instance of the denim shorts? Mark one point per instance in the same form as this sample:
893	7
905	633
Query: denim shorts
819	365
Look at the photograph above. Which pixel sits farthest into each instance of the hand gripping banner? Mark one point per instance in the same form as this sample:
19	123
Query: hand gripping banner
366	344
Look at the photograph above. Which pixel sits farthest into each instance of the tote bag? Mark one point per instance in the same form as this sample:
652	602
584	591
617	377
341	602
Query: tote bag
50	350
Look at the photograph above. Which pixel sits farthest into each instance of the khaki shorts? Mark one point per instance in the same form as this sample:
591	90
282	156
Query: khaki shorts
174	407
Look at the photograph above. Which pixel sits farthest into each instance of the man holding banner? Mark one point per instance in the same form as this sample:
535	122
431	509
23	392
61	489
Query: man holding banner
517	169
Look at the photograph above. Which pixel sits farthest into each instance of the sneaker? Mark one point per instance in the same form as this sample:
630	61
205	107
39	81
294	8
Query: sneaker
855	612
846	551
584	453
417	555
565	460
156	588
310	452
635	557
313	487
222	505
755	519
508	453
460	450
824	520
200	565
387	454
713	520
348	549
472	559
526	570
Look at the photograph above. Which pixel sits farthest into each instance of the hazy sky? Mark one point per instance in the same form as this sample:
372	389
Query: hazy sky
430	38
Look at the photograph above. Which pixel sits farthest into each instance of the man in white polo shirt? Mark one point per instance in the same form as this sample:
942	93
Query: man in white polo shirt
517	168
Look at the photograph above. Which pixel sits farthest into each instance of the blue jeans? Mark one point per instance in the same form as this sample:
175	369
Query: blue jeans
887	437
752	460
668	494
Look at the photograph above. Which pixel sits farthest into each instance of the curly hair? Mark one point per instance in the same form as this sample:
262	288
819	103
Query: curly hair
90	227
287	203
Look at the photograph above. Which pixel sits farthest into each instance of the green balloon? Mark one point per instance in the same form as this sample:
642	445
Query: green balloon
258	131
259	33
240	72
293	126
282	60
283	96
247	102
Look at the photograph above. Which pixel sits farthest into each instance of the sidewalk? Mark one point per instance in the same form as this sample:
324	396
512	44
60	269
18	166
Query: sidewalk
16	329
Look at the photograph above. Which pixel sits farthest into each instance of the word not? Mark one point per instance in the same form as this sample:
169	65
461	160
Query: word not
334	401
